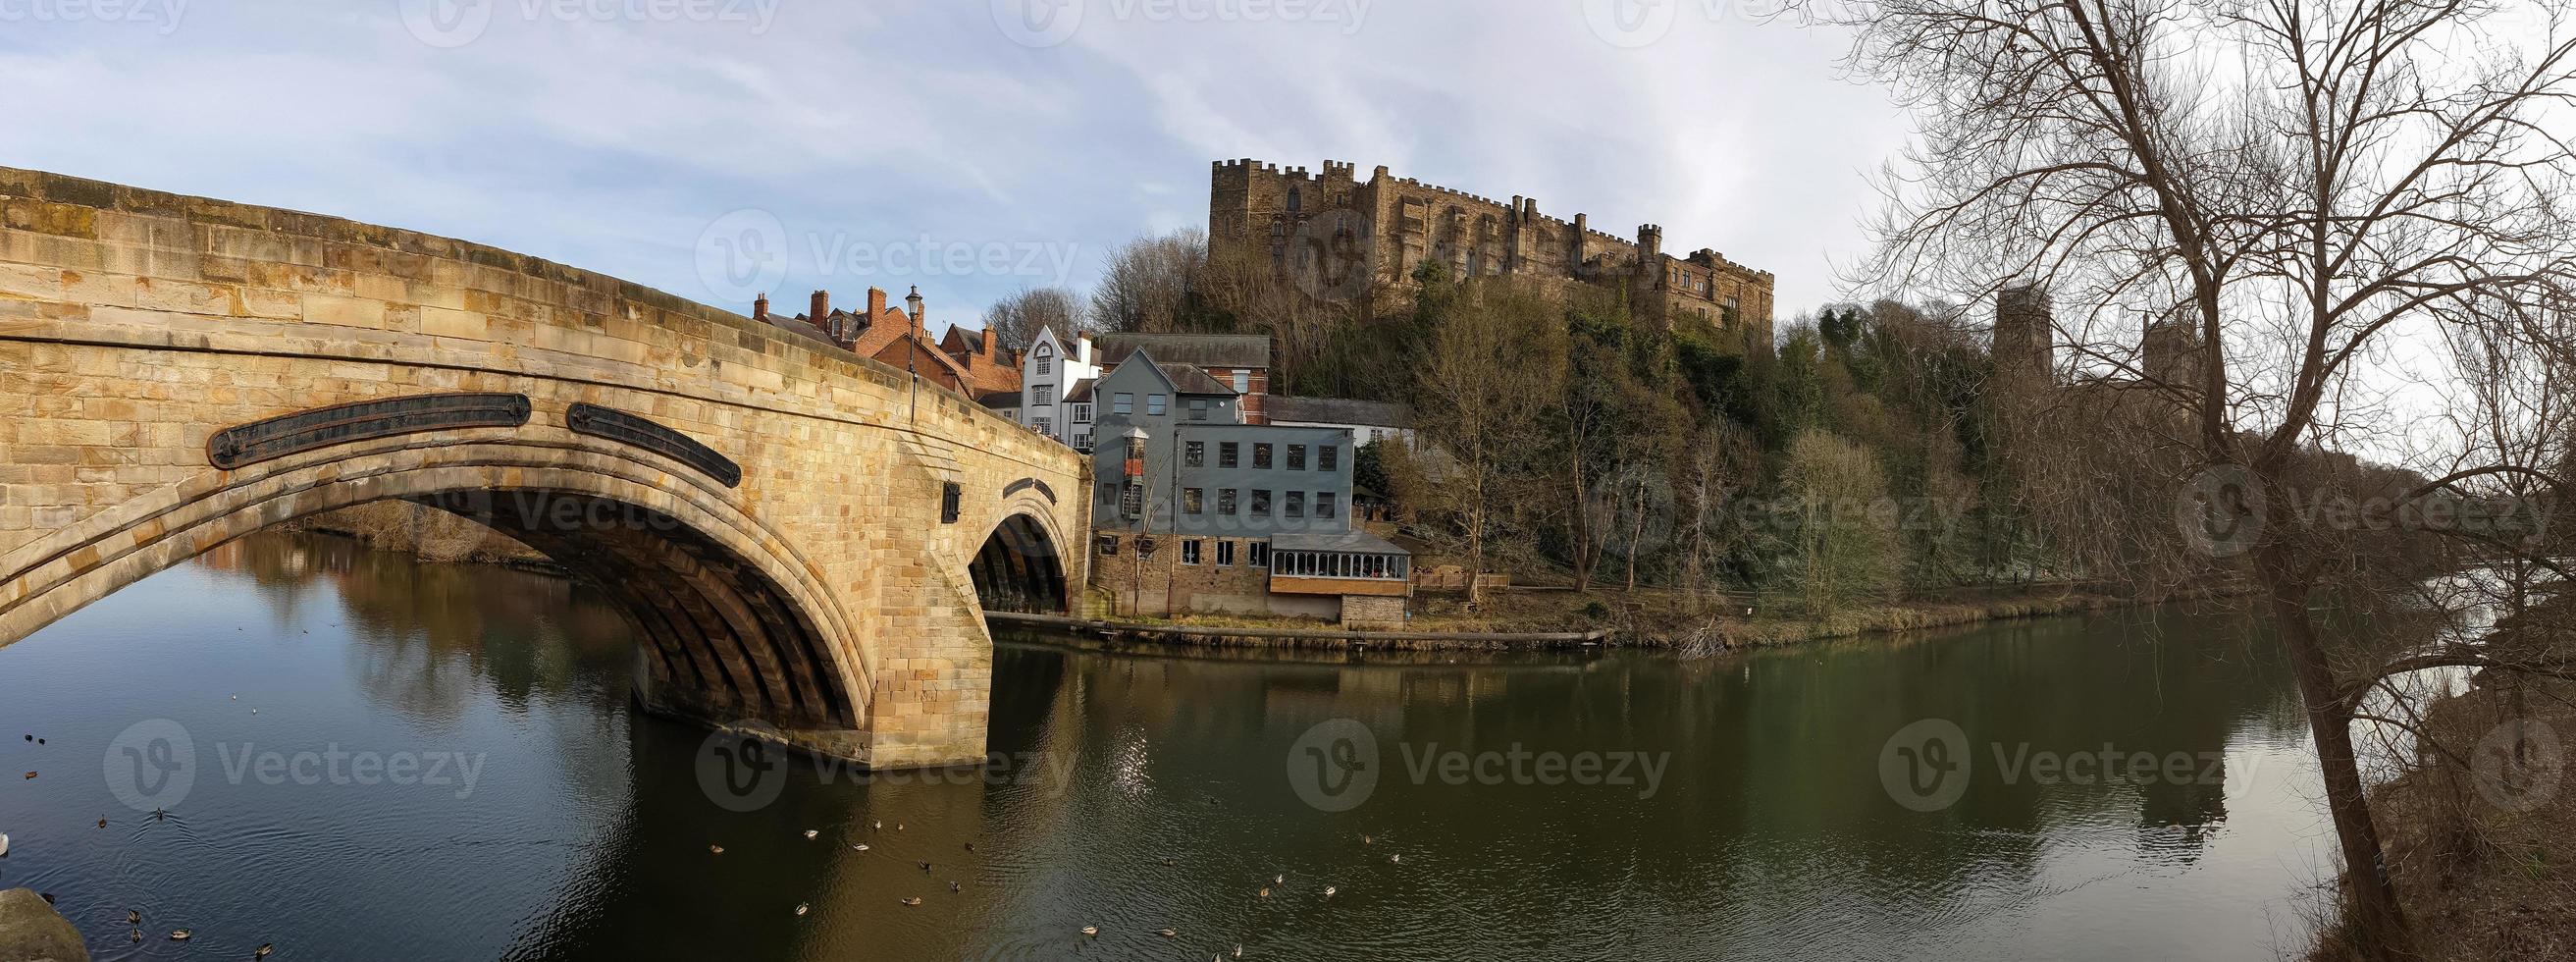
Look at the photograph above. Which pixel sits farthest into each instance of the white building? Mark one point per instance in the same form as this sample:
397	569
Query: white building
1049	372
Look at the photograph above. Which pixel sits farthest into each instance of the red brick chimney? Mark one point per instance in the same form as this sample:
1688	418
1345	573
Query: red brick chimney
821	312
876	304
760	308
987	348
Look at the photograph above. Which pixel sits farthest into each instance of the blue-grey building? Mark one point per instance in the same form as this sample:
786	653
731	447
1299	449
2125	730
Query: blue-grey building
1211	497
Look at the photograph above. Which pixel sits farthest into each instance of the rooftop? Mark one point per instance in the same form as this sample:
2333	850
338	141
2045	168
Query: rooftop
1355	541
1197	350
1334	410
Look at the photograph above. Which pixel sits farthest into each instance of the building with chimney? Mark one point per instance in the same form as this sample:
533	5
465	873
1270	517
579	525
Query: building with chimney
970	364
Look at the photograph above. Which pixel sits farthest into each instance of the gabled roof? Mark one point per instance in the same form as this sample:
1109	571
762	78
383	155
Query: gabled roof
1080	392
1196	350
1334	410
1188	379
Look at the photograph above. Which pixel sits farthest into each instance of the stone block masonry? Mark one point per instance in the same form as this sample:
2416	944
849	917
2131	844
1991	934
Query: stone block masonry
829	595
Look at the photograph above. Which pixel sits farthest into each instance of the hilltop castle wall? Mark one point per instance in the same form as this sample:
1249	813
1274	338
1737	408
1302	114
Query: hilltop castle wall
1388	226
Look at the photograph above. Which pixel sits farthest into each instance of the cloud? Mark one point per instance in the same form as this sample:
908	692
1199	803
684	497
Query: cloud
608	134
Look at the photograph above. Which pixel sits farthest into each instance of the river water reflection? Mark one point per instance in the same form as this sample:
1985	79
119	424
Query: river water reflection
1148	791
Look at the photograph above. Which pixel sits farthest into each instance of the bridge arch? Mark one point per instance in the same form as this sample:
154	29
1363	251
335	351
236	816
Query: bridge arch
1021	566
731	624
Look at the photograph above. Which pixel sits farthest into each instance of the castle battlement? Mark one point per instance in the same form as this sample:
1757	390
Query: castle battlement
1256	209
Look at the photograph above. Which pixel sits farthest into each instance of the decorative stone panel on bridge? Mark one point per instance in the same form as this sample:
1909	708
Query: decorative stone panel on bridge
822	594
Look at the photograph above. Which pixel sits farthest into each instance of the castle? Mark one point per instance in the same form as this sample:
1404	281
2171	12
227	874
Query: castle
2169	354
1340	239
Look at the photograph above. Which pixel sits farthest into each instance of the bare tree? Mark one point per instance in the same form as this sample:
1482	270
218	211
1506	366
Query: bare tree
1484	388
1017	319
2311	191
1152	283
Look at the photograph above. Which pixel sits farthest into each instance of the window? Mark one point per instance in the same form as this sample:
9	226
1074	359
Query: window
952	502
1227	454
1242	382
1376	435
1082	413
1296	504
1257	553
1194	454
1261	502
1324	506
1042	396
1136	449
1082	441
1131	501
1261	457
1296	200
1225	501
1192	499
1296	457
1122	403
1225	554
1108	544
1045	360
1044	425
1198	409
1154	405
1328	458
1190	551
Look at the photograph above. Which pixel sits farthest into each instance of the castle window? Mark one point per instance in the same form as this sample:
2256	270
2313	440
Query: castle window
1296	200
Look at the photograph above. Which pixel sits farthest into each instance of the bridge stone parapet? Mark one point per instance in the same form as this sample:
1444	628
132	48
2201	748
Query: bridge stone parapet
803	539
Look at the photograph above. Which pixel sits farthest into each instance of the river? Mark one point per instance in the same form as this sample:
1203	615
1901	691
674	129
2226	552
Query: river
358	755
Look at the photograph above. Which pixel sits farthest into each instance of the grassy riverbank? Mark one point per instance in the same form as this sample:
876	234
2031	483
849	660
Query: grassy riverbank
2484	861
1654	618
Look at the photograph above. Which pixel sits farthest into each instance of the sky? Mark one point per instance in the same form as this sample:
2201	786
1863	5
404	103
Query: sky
718	148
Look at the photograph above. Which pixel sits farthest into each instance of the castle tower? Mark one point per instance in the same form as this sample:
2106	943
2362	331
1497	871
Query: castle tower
2172	350
2025	333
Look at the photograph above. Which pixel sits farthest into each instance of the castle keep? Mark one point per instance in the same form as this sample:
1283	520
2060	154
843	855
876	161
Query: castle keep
1338	238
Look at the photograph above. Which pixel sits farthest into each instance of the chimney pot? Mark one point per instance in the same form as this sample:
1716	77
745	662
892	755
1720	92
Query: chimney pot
760	308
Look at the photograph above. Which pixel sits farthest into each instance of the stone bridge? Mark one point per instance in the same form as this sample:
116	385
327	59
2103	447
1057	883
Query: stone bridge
803	539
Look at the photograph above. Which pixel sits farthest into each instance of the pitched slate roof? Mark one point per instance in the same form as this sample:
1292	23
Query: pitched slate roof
1196	350
1334	410
1188	379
